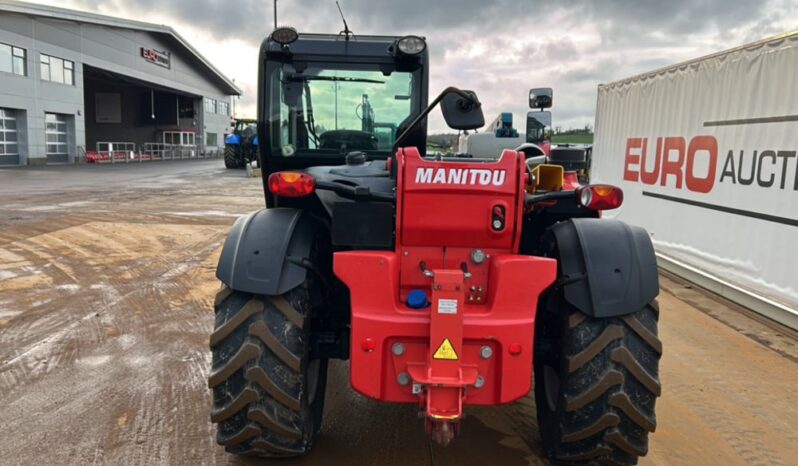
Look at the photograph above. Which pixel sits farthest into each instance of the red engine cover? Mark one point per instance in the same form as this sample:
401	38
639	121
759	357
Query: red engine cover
466	198
444	211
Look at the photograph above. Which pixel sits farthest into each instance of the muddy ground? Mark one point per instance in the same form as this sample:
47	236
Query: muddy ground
106	286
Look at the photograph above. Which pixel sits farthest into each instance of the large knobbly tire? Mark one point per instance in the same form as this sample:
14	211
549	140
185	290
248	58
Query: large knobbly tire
268	396
231	159
596	384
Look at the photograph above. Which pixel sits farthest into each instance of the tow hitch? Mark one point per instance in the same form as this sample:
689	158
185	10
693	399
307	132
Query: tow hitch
442	381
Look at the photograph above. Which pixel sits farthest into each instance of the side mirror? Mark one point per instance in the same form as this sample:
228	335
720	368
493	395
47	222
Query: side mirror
462	110
540	97
538	127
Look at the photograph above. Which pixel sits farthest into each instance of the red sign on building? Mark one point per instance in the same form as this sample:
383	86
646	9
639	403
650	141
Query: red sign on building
159	58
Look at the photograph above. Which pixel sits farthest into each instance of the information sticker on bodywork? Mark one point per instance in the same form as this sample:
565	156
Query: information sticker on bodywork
447	306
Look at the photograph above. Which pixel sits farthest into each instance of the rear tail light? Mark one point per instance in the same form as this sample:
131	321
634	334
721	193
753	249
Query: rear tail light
600	197
291	184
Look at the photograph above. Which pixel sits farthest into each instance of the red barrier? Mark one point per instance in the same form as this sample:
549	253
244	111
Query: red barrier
105	157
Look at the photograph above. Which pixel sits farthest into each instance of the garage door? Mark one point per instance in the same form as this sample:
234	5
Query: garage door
9	146
56	133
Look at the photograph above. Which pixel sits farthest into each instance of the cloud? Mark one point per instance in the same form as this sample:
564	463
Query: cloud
499	48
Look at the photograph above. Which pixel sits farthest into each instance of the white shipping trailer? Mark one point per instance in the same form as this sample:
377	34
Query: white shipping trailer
706	152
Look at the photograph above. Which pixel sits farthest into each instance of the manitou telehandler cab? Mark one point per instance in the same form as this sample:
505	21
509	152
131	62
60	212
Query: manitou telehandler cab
446	281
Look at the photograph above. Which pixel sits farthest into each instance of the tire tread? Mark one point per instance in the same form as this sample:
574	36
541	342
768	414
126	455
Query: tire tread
609	384
231	159
257	402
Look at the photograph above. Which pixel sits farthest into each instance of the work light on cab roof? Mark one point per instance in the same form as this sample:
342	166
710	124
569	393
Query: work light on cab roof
285	35
411	45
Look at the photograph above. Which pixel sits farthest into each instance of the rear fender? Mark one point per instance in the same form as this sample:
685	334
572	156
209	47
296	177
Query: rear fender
253	259
606	267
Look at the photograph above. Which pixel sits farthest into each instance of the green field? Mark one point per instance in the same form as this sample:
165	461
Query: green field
572	139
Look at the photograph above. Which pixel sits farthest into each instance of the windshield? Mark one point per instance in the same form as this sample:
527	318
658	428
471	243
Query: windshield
327	110
246	128
242	125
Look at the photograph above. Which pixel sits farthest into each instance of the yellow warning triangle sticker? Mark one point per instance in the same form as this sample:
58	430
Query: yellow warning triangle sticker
446	351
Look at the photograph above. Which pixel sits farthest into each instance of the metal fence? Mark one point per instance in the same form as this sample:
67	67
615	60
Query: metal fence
116	151
127	152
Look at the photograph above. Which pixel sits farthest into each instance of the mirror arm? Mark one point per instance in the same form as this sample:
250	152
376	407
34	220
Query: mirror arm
361	193
427	110
530	199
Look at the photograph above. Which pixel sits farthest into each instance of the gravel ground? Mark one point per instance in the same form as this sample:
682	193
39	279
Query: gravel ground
106	289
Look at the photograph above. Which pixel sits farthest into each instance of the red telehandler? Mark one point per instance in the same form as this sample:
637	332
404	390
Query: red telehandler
446	281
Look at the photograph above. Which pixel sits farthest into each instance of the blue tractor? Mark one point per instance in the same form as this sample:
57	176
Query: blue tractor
241	146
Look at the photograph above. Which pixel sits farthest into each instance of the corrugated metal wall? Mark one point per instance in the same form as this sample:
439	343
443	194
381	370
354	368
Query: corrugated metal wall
707	155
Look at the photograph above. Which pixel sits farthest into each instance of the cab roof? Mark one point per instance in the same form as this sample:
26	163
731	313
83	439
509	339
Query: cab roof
319	45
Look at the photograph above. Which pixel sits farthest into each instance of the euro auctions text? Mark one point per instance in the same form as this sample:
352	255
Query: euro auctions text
697	165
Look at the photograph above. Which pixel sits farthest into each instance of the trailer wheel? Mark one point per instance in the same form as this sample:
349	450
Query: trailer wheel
231	159
268	395
596	383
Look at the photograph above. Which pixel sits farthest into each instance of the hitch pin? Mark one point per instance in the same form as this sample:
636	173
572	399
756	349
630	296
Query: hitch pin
464	268
427	272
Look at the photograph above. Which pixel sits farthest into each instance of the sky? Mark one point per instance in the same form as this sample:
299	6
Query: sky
498	48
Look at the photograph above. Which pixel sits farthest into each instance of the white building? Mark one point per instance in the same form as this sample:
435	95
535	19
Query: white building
71	81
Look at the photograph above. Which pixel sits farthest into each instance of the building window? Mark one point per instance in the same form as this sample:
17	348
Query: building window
12	60
179	138
57	70
171	138
211	139
224	108
8	132
185	106
188	139
210	105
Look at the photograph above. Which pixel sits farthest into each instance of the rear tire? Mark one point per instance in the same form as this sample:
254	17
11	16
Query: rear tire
268	395
231	159
596	383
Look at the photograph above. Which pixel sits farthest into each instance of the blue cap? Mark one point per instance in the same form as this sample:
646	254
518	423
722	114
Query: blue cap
417	299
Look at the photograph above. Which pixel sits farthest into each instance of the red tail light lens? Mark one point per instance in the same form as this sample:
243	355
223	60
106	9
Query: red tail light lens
291	184
600	197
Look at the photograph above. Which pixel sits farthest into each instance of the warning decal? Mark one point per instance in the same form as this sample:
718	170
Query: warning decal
446	351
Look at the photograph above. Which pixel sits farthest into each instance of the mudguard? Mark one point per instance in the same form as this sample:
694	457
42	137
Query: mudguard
253	259
232	139
606	267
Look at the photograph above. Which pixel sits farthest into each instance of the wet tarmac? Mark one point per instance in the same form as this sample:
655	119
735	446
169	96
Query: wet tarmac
106	288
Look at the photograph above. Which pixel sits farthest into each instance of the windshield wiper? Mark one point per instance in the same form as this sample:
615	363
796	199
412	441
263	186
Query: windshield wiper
311	121
335	78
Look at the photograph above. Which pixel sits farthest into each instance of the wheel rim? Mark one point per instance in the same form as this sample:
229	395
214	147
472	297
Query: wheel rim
314	368
551	384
